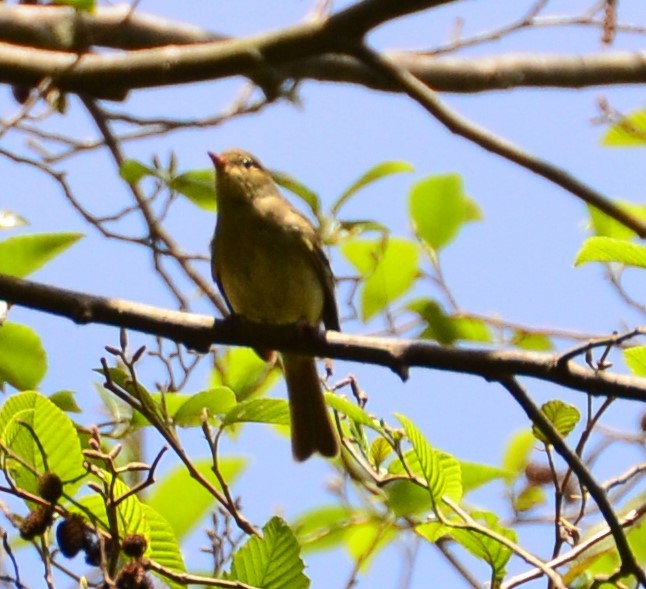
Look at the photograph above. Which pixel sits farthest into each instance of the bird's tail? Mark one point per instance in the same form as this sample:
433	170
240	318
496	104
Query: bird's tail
312	429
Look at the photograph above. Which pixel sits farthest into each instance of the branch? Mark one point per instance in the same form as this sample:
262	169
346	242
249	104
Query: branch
200	331
459	125
321	49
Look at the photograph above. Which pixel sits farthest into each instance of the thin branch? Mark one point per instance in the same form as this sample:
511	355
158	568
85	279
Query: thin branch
629	562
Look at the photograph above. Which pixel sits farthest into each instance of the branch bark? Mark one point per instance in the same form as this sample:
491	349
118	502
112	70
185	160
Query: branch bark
200	331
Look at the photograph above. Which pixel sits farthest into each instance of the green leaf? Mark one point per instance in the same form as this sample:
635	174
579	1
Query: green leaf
273	411
439	207
65	401
163	547
389	269
198	186
636	360
494	553
372	175
432	531
271	562
440	470
10	220
517	453
290	183
23	360
206	403
380	450
132	171
365	540
529	498
475	475
608	249
446	329
325	527
406	498
20	256
562	416
244	372
30	415
526	340
630	131
351	410
606	226
183	516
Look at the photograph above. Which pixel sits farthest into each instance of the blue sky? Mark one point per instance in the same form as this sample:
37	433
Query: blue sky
517	263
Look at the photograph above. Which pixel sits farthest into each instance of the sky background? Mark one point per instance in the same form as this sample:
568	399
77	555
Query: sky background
517	263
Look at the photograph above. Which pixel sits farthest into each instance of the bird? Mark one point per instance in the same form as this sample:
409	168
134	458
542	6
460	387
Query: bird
268	262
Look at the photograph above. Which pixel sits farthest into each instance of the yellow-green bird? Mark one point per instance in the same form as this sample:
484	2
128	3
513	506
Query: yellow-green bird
267	261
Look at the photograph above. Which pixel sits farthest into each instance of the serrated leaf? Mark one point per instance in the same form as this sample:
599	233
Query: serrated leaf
132	171
204	404
372	175
10	220
30	415
351	410
609	249
605	226
517	453
271	562
22	255
309	197
630	131
440	470
183	516
636	360
273	411
389	269
198	186
439	207
65	401
494	553
23	360
562	416
163	546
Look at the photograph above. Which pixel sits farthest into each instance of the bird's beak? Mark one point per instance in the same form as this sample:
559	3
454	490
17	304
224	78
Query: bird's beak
217	160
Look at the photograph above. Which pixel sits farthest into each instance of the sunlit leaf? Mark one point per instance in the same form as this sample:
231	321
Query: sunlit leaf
204	404
272	411
290	183
22	255
244	372
605	226
636	360
447	329
608	249
630	131
198	186
132	171
372	175
517	453
562	416
537	342
439	207
23	360
270	562
389	269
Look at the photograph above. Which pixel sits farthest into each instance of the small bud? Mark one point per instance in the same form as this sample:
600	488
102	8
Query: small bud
37	522
71	535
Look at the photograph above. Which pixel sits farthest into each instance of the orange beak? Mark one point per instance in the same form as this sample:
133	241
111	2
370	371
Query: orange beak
217	160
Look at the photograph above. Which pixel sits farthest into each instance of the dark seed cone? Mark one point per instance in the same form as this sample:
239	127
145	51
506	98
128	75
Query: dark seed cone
50	487
37	522
71	535
133	576
134	545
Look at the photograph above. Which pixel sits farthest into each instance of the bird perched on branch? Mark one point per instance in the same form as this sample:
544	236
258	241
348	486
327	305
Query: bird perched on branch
268	262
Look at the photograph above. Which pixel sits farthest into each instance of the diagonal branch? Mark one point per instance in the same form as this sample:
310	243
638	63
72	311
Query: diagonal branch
200	331
459	125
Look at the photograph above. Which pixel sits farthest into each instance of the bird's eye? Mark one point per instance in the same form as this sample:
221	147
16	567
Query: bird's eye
247	163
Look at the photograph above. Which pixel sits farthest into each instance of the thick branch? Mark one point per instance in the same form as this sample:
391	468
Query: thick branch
199	331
